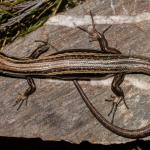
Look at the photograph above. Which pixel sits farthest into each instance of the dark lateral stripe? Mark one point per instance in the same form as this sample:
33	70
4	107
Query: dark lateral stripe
68	70
65	56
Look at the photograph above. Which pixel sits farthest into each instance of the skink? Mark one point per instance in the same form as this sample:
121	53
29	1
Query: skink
75	64
80	64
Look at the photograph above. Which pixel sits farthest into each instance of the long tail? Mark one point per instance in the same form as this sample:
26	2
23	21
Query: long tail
133	134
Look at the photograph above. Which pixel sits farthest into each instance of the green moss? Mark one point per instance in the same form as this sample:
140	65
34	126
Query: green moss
32	21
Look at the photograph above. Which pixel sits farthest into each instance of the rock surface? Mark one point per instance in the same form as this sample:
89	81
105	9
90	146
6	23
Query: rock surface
56	111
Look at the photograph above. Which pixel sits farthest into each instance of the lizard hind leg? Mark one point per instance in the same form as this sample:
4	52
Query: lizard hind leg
119	94
90	33
115	102
95	35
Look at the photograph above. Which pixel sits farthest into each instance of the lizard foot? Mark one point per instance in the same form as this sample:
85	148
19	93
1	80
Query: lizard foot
115	102
20	99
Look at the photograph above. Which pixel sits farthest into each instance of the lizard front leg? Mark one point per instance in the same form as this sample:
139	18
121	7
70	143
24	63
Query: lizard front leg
31	84
29	91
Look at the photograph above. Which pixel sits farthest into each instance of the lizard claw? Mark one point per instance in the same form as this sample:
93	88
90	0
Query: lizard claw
115	102
20	99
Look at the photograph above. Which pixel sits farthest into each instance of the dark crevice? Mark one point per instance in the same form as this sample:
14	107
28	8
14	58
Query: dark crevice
37	143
